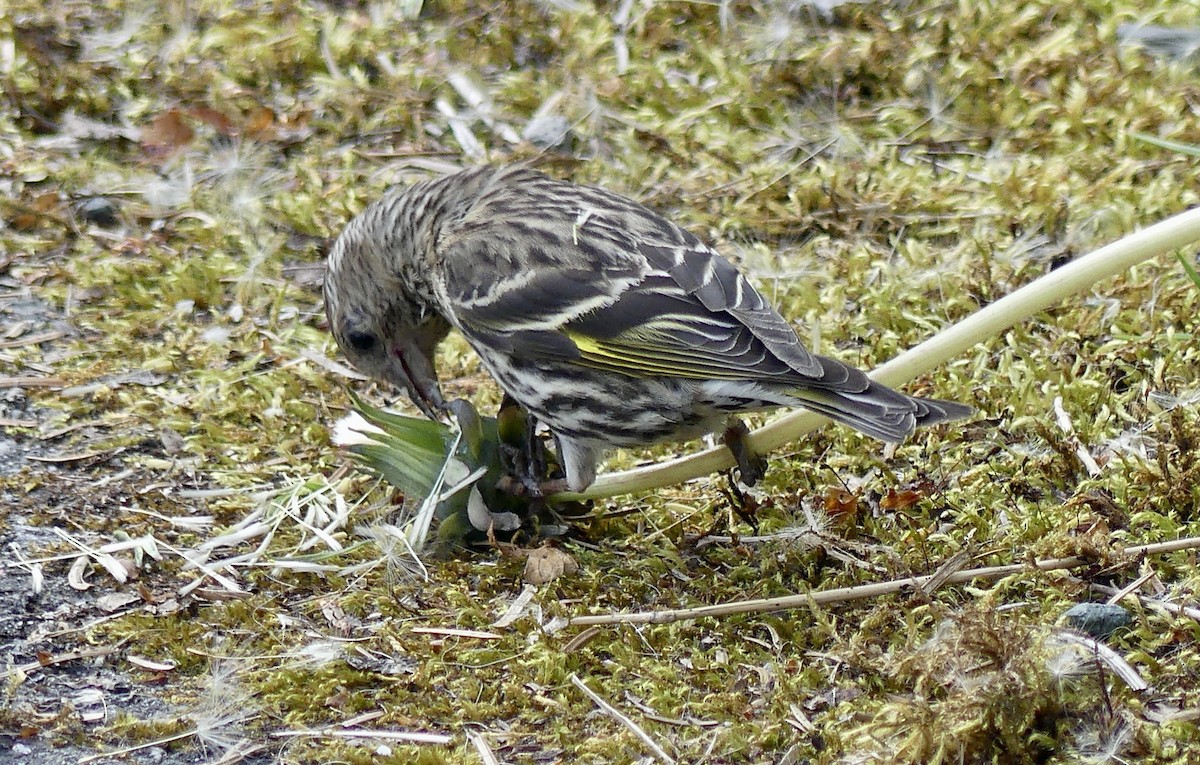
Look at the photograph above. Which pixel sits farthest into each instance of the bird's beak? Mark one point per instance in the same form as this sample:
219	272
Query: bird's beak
411	368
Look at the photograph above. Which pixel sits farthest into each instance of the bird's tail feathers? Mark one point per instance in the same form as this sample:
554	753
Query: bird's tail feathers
931	411
881	412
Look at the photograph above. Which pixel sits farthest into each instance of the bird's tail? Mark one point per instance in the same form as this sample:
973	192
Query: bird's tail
881	412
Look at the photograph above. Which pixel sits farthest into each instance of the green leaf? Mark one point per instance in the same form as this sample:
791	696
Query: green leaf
411	472
1191	270
1165	143
429	435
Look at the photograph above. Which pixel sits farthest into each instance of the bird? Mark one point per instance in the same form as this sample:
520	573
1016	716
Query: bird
608	323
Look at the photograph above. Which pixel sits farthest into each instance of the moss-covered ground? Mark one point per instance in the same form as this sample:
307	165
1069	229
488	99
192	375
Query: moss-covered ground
171	175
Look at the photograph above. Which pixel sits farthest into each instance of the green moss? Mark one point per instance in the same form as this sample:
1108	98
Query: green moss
882	172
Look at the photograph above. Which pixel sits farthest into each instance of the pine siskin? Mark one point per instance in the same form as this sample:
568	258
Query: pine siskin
607	322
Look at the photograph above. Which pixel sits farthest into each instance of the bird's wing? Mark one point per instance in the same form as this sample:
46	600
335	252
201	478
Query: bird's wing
523	278
626	292
694	315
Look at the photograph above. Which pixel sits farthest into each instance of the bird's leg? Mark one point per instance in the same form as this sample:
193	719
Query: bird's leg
751	466
535	451
538	467
523	456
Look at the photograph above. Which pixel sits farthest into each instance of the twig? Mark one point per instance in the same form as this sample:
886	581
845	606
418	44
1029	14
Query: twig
62	658
240	749
982	325
32	382
136	747
617	715
239	752
37	339
408	737
1128	589
454	632
858	592
1174	608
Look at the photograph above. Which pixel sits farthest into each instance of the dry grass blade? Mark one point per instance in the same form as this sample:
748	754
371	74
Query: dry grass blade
483	748
1092	647
113	566
617	715
404	736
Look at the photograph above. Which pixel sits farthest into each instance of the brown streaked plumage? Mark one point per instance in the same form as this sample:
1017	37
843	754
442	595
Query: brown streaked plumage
610	324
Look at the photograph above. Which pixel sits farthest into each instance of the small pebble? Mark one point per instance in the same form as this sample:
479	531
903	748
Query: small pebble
1097	619
99	210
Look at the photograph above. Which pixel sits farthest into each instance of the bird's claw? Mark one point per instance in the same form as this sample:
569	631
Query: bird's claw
751	467
521	478
528	486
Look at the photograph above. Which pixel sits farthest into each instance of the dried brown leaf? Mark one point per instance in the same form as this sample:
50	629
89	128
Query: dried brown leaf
214	119
900	500
545	564
166	134
261	125
840	503
28	218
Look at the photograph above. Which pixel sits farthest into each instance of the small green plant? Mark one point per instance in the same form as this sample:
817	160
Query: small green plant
459	474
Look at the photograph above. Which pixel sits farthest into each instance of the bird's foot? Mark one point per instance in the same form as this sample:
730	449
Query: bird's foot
528	486
553	486
743	505
518	480
751	467
522	454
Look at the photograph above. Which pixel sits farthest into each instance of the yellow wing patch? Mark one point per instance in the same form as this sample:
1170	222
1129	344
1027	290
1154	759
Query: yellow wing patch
637	360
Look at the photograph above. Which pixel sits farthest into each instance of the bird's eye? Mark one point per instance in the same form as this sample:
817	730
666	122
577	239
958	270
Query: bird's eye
361	341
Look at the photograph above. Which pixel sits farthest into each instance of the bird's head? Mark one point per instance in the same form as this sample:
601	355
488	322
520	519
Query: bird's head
385	325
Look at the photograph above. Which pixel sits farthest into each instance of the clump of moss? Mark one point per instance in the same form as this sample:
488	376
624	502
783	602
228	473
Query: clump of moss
984	686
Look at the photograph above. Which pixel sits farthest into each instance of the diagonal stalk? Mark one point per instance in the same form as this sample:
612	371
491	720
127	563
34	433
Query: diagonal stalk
1071	279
